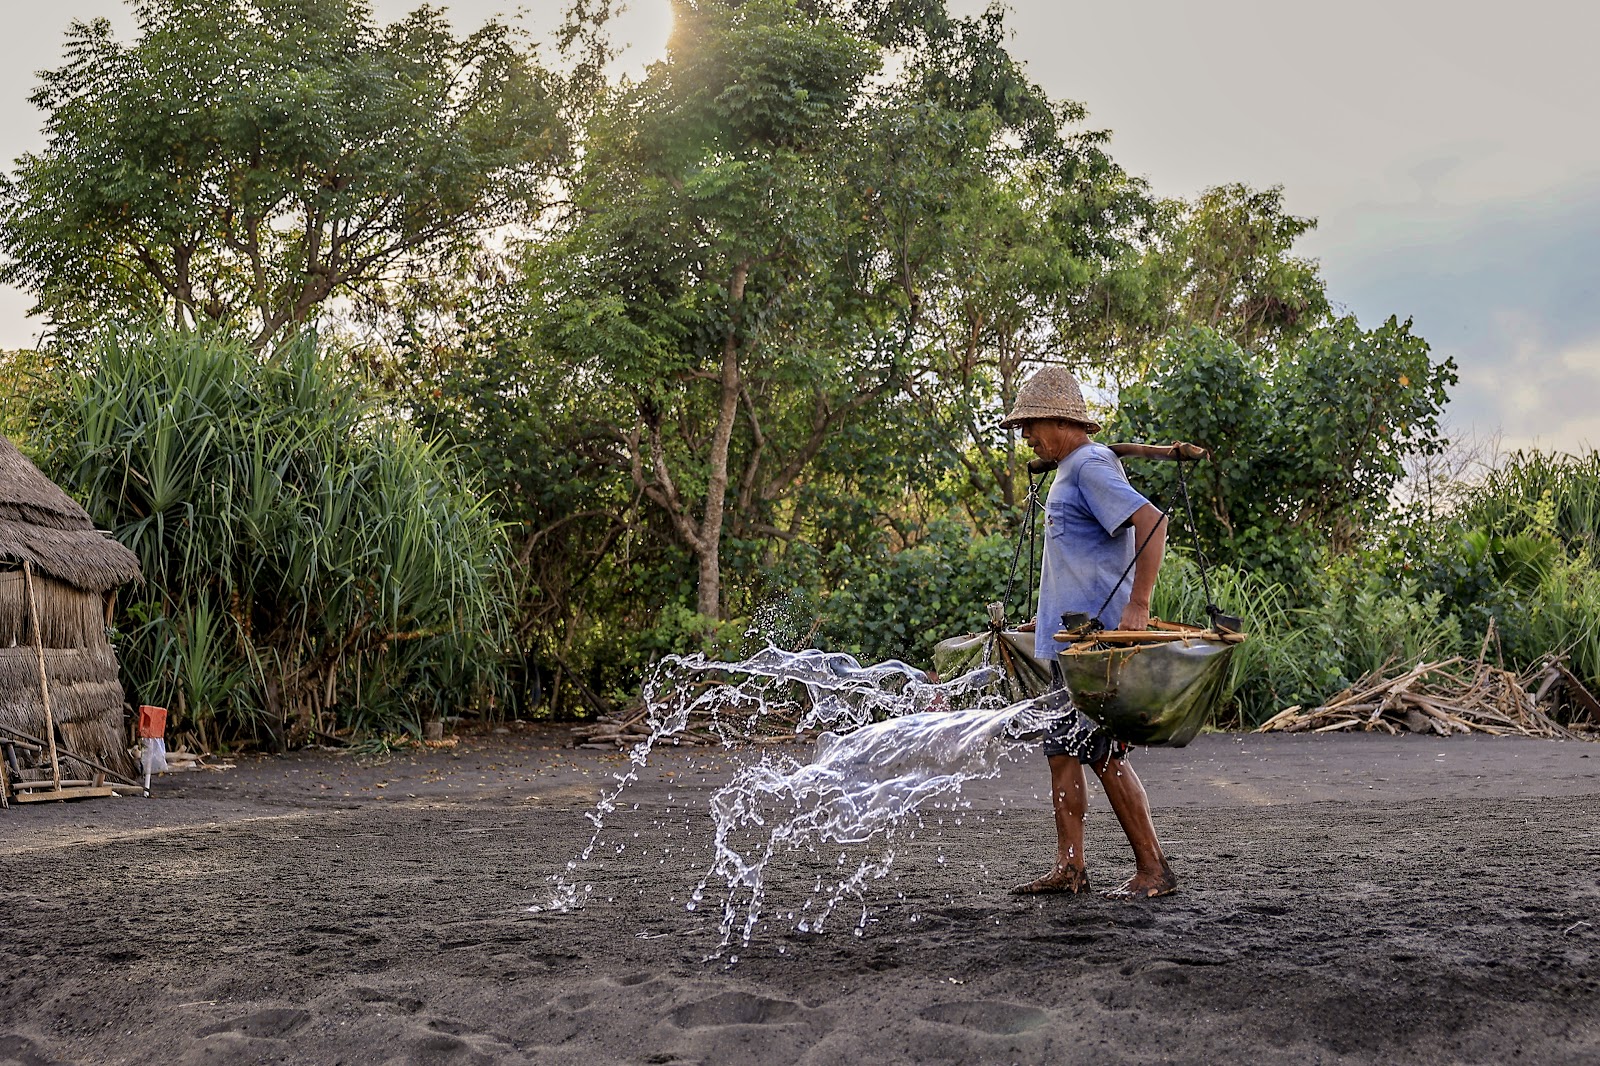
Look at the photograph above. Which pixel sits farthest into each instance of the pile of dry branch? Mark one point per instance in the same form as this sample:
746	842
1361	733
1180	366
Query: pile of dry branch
612	731
1455	696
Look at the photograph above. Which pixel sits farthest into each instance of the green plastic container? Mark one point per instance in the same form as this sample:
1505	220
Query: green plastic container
1157	694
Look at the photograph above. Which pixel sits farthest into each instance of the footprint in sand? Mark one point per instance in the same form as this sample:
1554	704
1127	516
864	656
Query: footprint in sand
987	1016
266	1023
735	1008
444	1049
21	1051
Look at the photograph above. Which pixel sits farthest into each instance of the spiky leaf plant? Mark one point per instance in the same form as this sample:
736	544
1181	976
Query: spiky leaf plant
310	562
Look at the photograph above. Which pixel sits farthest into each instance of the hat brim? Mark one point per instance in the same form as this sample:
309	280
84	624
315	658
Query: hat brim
1014	420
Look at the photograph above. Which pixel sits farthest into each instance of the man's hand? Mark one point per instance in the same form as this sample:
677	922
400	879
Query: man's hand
1183	450
1026	627
1135	616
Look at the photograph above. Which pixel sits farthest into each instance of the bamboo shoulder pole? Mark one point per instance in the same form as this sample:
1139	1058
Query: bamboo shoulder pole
44	679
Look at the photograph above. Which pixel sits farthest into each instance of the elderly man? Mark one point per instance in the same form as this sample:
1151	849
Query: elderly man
1096	524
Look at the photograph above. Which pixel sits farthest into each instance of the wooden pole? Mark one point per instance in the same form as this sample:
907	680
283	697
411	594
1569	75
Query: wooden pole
44	679
33	743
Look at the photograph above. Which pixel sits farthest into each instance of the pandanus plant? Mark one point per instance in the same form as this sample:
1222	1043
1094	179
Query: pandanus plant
311	561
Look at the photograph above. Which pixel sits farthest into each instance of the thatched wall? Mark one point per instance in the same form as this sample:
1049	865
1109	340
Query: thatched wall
68	617
86	698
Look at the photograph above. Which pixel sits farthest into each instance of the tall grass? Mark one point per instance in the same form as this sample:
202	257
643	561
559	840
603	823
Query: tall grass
1359	621
1549	493
308	561
1263	673
1560	616
1525	553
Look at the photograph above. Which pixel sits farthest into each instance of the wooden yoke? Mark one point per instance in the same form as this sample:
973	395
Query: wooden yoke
1178	450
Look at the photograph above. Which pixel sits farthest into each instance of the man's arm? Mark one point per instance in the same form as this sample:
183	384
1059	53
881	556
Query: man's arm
1149	530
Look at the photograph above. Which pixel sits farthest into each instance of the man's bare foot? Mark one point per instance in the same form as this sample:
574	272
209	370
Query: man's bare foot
1146	886
1061	879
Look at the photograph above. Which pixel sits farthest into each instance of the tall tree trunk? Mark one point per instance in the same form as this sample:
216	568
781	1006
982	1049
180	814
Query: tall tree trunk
710	591
710	598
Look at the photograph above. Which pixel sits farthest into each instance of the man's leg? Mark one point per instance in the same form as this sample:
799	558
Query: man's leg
1152	876
1070	799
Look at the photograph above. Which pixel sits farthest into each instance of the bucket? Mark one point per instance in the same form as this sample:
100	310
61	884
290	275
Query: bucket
1156	693
152	722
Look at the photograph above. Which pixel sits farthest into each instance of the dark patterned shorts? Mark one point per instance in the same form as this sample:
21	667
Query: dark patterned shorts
1075	734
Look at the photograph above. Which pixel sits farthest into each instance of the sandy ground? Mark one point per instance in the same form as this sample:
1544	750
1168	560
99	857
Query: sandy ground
1345	899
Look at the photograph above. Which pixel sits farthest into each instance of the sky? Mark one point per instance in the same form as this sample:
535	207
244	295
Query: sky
1450	152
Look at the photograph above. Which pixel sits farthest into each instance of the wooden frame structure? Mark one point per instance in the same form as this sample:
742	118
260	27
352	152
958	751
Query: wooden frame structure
63	733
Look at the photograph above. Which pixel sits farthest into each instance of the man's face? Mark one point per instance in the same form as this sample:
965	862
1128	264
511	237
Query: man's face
1052	439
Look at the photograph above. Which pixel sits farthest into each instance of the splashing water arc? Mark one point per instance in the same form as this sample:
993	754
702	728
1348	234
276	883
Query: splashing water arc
890	743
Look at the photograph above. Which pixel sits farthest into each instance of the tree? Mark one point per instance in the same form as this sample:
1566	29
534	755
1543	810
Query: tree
701	285
243	162
773	251
1308	441
1224	262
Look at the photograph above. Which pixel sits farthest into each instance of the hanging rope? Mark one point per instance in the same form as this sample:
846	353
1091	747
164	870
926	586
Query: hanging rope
1212	610
1131	564
1026	534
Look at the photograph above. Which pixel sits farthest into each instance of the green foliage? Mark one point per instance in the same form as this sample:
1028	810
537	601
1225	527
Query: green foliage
1308	445
1232	256
1521	552
1559	616
1224	262
241	162
26	376
307	562
1543	495
885	604
1357	620
1374	620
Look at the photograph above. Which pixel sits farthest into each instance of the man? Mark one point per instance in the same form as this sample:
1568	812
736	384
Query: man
1096	523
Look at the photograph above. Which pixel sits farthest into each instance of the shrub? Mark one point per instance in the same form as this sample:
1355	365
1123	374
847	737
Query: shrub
899	604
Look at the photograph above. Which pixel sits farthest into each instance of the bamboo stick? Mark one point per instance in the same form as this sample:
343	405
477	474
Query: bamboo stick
44	680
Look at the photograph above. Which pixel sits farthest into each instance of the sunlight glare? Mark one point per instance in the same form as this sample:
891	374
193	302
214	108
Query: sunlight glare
643	27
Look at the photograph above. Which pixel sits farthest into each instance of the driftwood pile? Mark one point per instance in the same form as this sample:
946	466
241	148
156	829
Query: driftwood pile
1455	696
611	731
180	761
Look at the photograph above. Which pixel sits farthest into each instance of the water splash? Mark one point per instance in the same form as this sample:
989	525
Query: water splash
892	742
860	788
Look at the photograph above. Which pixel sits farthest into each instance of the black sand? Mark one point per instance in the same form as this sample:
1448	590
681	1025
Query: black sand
1345	899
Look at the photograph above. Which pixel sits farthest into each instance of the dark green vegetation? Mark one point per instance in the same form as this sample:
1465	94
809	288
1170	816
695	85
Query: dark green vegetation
428	374
303	551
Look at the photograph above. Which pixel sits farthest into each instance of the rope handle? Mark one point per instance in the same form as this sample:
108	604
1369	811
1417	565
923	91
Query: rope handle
1131	564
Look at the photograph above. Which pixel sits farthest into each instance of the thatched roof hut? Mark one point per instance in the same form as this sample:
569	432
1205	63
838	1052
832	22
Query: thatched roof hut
75	568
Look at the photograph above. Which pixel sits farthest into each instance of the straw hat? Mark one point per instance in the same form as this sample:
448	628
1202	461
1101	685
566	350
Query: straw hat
1051	393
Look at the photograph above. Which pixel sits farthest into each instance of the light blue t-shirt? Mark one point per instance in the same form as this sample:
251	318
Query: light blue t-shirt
1088	543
